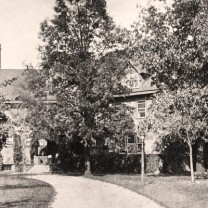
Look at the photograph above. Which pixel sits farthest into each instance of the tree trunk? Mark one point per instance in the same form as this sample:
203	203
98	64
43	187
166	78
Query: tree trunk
1	162
87	162
191	161
142	162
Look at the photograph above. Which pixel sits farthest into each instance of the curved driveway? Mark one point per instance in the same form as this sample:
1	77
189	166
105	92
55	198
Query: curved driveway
79	192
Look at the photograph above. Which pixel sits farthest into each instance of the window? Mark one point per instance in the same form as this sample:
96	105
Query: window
27	142
133	144
133	82
141	109
9	141
139	148
131	138
117	106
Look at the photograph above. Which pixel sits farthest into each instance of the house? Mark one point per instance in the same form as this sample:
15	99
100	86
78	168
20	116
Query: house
139	99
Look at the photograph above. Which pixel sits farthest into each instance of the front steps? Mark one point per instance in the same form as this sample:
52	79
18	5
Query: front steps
39	169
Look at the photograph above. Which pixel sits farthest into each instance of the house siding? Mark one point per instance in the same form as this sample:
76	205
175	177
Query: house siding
150	138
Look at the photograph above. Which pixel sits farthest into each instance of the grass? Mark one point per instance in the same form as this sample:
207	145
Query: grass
19	192
169	191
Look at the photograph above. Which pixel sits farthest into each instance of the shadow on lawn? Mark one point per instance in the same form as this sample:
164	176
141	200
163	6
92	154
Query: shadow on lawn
23	186
68	173
19	192
146	175
18	203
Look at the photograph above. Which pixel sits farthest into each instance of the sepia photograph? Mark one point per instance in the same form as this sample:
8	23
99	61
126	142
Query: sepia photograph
104	104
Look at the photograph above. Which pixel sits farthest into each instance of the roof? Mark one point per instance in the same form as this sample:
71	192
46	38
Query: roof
10	73
137	93
11	91
15	78
145	85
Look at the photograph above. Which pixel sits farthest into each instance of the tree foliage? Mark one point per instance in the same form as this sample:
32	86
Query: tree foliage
83	63
175	153
3	129
78	29
18	151
183	114
172	45
5	124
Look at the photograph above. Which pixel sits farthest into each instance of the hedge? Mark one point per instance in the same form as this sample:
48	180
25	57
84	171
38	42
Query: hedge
115	163
111	163
72	163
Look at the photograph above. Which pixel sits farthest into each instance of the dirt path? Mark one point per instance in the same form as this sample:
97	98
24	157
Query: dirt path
79	192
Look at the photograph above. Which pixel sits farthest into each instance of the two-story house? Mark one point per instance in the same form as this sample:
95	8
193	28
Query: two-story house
139	99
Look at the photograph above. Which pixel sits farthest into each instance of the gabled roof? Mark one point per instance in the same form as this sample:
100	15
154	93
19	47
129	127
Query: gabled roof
14	78
10	73
11	91
145	82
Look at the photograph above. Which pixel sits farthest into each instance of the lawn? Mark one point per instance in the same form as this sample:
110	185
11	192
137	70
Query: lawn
19	192
169	191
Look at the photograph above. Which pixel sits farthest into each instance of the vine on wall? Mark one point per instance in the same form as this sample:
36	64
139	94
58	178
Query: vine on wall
18	153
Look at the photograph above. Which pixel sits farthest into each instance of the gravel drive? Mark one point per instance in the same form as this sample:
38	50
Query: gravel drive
79	192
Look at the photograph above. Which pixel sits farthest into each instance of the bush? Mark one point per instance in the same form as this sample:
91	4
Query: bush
152	163
72	163
19	168
110	163
18	153
34	145
115	163
104	163
174	153
174	163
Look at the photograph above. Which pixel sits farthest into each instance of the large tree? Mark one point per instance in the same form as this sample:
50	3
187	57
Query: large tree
83	63
171	44
183	114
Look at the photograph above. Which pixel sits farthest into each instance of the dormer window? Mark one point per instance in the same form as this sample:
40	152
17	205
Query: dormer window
133	82
9	141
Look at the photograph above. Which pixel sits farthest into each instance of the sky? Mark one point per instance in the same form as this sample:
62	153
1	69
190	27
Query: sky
20	24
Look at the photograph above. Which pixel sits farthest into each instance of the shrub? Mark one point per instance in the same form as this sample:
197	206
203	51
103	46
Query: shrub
72	163
108	163
174	153
19	168
115	163
18	152
34	146
152	163
3	138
